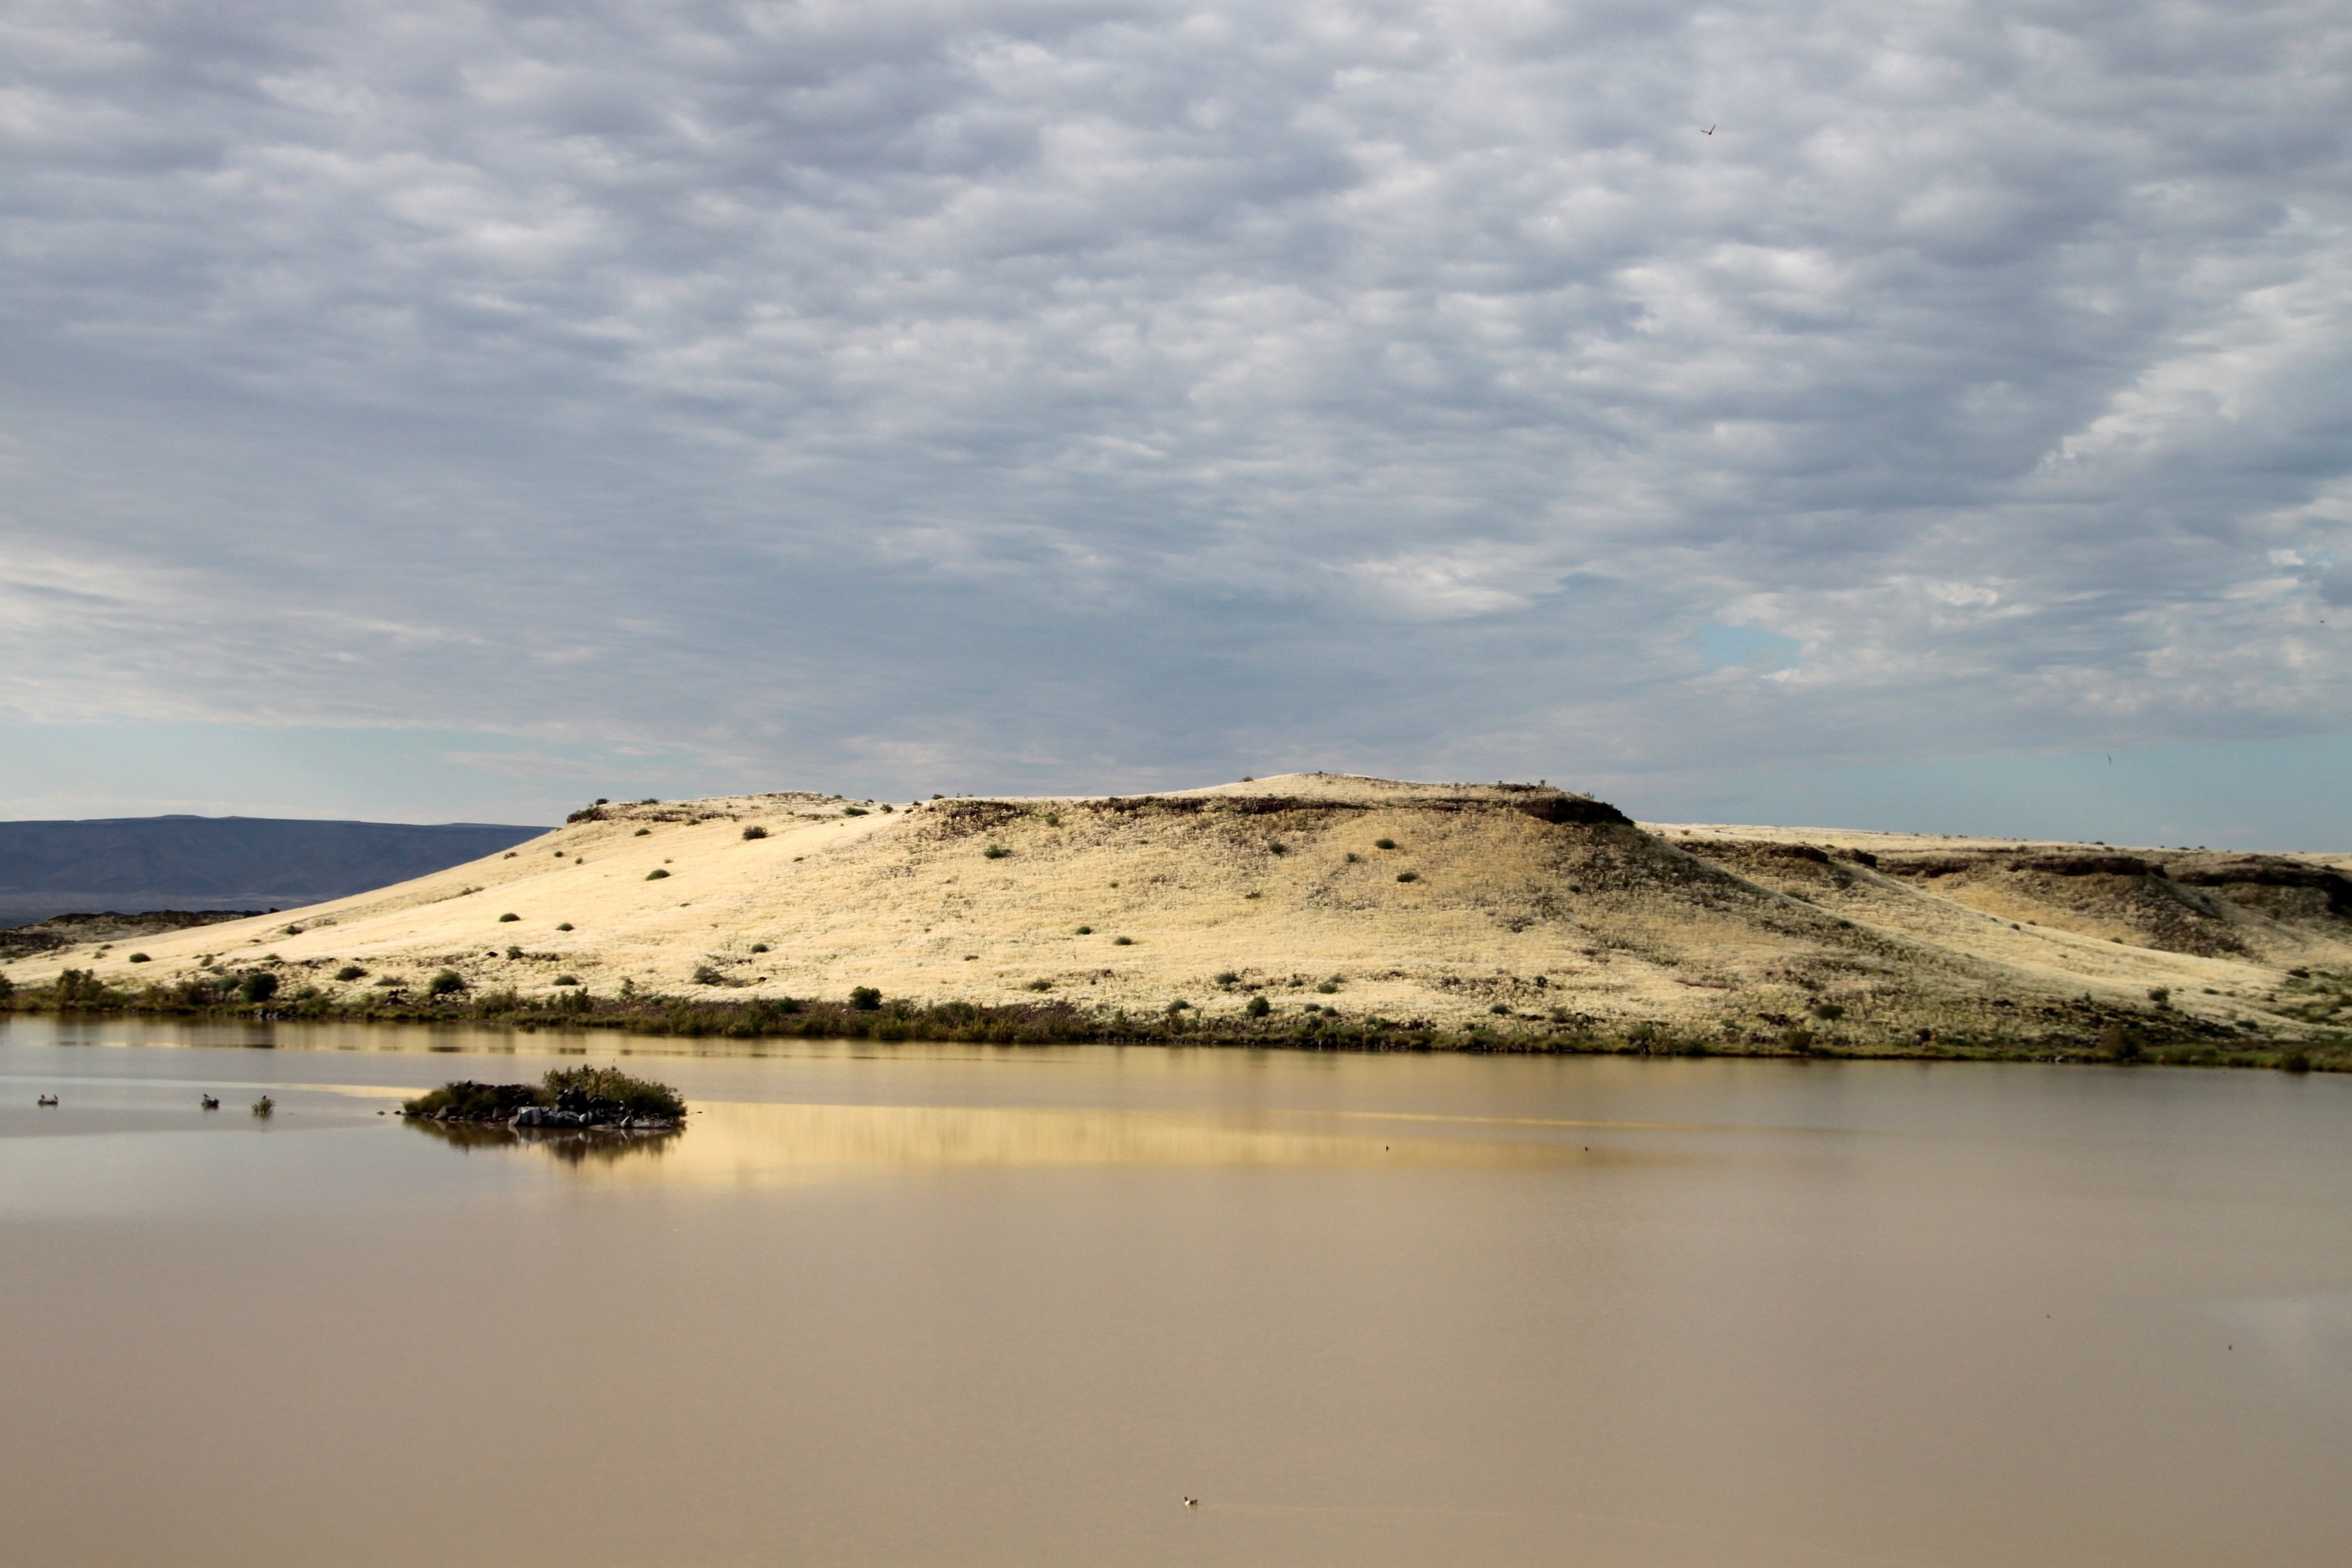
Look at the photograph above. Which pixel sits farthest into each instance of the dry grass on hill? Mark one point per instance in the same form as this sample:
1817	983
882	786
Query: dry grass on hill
1364	896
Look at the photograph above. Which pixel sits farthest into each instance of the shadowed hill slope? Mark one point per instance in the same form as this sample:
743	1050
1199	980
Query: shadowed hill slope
1355	896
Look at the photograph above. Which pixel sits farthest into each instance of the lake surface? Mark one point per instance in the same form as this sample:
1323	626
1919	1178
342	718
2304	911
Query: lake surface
945	1304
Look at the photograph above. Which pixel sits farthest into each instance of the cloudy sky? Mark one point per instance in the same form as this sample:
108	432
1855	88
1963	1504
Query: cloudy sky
462	409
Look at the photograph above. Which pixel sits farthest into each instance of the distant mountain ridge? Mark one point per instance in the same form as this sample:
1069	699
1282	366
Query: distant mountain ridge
132	864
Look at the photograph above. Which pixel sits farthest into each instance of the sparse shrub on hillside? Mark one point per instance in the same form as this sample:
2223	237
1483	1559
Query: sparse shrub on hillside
351	972
1258	1007
513	952
1329	989
1500	1009
2295	1060
755	832
1276	847
1253	893
1227	978
996	851
565	927
504	918
567	980
865	999
1041	984
1383	843
704	974
2119	1041
1122	941
759	947
1177	1007
388	981
1353	857
657	874
258	987
1829	1012
447	983
642	832
141	958
1085	931
1052	819
1408	876
2160	995
853	810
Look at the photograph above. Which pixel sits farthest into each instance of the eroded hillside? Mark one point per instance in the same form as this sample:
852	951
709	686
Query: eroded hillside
1327	896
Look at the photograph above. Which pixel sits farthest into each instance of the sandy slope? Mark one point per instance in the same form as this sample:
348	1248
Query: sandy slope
1735	928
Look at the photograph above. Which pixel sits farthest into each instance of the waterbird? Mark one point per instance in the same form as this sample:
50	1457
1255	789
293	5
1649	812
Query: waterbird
1192	1502
45	1100
208	1103
1708	131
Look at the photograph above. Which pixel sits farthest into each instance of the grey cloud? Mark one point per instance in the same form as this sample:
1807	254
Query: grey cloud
1120	391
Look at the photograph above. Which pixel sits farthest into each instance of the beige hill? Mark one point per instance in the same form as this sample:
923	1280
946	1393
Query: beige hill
1442	902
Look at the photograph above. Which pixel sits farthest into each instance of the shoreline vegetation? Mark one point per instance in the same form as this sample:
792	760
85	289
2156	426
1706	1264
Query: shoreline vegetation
2073	1031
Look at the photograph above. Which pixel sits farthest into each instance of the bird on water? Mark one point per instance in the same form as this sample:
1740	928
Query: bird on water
208	1102
45	1100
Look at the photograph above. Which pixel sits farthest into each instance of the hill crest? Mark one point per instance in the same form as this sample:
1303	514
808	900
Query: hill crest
1331	895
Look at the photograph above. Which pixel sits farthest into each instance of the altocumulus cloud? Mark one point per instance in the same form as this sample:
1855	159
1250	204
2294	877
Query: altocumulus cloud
1114	392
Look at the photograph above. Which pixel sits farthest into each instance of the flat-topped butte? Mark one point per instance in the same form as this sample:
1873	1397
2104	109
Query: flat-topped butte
1306	908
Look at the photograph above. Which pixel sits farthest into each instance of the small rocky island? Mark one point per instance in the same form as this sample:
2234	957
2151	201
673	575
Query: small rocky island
571	1098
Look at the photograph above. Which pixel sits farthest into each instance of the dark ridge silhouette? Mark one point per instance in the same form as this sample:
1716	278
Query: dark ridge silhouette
221	862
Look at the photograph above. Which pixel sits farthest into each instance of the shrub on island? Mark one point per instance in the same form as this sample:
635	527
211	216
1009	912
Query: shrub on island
565	1097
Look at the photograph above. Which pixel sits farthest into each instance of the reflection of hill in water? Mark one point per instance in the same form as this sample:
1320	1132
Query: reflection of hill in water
573	1148
739	1142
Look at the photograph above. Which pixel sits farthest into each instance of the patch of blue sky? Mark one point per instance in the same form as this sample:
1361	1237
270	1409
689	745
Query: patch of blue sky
1746	647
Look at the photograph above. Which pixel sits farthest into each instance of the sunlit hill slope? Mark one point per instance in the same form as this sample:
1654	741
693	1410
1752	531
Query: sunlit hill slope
1334	897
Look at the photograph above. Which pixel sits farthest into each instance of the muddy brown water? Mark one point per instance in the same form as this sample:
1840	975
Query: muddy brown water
943	1304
